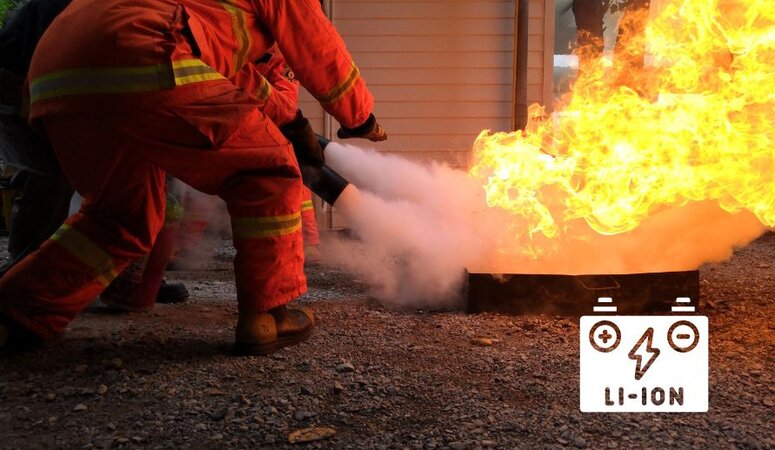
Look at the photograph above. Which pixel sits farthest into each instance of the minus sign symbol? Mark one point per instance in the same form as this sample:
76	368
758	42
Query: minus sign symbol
682	336
632	396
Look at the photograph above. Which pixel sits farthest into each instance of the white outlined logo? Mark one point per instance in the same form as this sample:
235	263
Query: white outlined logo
643	363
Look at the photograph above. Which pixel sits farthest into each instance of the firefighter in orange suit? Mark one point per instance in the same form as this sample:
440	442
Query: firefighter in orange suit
272	81
128	89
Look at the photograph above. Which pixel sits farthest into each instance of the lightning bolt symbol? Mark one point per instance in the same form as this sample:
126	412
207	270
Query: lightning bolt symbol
638	356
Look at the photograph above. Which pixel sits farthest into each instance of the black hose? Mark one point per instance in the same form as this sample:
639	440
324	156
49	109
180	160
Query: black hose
323	181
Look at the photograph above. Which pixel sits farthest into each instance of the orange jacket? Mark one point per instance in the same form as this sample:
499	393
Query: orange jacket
138	46
272	83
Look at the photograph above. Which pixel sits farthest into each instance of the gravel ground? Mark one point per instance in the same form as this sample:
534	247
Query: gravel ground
380	377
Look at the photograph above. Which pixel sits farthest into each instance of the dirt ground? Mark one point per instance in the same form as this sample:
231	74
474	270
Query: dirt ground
381	377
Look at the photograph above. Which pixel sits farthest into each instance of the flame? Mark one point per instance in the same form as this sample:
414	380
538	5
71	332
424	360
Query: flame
694	123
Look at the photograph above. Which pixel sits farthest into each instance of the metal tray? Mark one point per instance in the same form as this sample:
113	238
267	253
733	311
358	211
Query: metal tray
632	294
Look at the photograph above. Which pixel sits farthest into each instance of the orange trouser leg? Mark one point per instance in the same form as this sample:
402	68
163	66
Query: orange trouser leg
309	225
210	137
122	211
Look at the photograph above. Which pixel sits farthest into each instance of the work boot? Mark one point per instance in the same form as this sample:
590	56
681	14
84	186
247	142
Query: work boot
265	333
15	338
172	293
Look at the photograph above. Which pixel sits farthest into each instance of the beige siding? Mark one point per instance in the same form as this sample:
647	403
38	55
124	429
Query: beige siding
540	48
440	71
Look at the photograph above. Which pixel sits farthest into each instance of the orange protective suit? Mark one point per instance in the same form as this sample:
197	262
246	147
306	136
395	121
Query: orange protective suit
129	89
272	81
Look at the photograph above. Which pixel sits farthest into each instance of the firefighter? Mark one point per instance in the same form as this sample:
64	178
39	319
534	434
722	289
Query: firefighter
128	89
273	85
276	89
272	82
44	203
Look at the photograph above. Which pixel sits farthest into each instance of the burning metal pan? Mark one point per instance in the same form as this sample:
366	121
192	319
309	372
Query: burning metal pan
576	295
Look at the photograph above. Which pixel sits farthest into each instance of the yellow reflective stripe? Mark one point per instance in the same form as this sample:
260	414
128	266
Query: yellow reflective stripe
112	80
100	81
306	205
87	252
241	33
193	71
342	88
264	89
270	226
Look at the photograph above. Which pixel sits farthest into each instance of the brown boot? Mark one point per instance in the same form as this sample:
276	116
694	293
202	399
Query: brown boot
265	333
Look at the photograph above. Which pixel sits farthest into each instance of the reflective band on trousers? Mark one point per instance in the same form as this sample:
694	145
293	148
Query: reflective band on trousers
270	226
113	80
87	252
306	205
342	88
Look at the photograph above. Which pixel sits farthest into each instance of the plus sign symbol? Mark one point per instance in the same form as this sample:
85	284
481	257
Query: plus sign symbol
605	336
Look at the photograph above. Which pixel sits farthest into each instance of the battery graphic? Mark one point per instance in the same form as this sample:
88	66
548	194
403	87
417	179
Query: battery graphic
643	363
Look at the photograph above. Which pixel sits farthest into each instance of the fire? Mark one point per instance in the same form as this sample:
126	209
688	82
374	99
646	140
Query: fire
694	123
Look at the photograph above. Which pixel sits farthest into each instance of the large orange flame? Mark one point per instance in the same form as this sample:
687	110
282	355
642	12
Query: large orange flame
694	123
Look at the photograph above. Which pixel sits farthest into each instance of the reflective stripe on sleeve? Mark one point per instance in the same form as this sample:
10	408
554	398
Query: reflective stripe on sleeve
306	205
114	80
87	252
264	90
342	88
269	226
193	71
241	33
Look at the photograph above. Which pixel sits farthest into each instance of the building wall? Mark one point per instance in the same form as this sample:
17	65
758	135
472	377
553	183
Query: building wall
540	59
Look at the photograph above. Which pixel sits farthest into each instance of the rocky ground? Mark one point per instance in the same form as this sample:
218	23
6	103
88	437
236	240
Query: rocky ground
378	377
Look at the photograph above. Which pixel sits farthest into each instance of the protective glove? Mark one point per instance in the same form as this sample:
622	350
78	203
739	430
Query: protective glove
370	130
304	140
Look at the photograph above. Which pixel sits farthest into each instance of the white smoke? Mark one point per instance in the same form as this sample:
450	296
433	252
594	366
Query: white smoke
204	225
419	227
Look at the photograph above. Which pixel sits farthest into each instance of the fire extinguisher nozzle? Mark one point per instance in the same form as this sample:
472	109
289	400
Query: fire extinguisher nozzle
324	181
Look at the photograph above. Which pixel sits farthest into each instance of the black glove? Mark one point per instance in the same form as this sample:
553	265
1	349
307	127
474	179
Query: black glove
304	140
370	130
